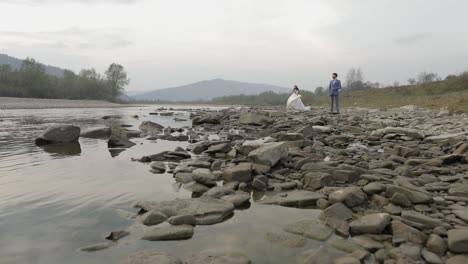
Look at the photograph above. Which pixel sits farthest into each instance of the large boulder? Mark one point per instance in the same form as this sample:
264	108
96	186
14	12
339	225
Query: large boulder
59	134
254	119
118	139
149	257
205	209
217	257
269	153
97	132
370	224
148	126
350	196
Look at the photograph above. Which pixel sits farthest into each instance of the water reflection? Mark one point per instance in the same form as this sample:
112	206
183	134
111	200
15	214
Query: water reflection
61	150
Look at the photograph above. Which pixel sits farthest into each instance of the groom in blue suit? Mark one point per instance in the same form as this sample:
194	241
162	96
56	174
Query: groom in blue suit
334	90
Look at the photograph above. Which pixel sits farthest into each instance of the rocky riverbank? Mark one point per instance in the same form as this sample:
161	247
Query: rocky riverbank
36	103
392	184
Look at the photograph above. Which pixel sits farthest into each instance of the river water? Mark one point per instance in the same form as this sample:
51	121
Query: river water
54	201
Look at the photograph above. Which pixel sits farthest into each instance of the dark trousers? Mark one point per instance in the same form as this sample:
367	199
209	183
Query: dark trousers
334	99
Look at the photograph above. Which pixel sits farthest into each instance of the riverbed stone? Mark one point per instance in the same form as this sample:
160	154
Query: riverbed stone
269	153
404	233
458	240
59	134
178	232
254	119
436	244
96	132
239	173
370	224
425	220
206	210
295	198
286	239
350	196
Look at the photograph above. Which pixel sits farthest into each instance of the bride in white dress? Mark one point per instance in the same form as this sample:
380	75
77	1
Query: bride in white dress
295	101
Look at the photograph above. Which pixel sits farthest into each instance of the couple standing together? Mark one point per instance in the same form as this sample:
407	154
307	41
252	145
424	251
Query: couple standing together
334	88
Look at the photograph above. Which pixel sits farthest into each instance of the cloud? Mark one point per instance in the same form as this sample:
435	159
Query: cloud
74	38
412	38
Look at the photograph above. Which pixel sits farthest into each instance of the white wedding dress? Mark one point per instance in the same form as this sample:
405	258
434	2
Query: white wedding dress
295	103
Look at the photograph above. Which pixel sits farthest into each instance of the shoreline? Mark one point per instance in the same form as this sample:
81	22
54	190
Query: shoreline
39	103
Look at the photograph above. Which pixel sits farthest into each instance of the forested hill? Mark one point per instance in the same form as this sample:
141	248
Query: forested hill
16	64
33	80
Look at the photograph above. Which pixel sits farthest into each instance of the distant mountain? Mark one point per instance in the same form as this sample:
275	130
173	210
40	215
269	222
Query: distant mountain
206	90
16	64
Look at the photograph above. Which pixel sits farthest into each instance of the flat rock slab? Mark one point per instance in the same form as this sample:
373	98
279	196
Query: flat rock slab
296	198
205	210
458	240
286	239
370	224
218	257
151	257
309	228
178	232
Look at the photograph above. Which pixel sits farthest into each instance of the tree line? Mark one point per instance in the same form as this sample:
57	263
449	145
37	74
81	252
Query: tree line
31	80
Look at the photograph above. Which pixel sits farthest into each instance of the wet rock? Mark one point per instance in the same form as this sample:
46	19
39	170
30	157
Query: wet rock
458	259
219	148
321	255
218	257
204	180
118	139
370	224
269	154
309	228
158	167
400	199
458	240
152	218
374	188
98	247
196	187
97	132
148	126
254	119
350	196
462	214
344	244
206	210
286	239
117	235
259	185
296	198
59	134
178	232
148	257
239	173
184	177
218	192
412	133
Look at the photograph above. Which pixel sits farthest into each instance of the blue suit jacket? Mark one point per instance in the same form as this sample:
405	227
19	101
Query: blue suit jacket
334	89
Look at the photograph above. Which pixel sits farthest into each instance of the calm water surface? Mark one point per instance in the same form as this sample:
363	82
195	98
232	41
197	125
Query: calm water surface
54	201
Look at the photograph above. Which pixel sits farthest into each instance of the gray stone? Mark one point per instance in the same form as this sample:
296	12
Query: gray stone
374	188
98	247
184	177
259	185
403	233
316	180
427	221
400	199
347	260
196	187
178	232
367	243
462	214
414	196
158	167
219	148
238	198
151	257
269	153
458	259
209	118
218	191
152	217
148	126
117	235
296	198
59	134
182	220
309	228
458	240
412	133
458	189
370	224
436	244
239	173
206	210
393	209
253	119
218	257
350	196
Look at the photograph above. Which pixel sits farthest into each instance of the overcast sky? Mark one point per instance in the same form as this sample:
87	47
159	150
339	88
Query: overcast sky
170	43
